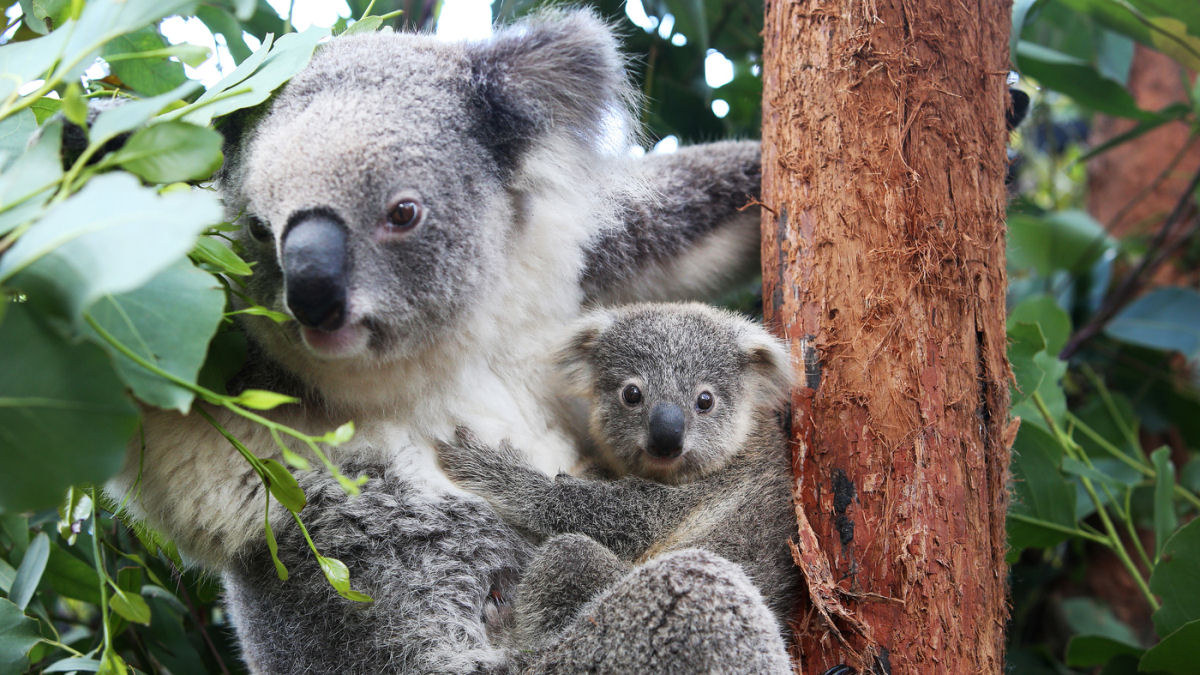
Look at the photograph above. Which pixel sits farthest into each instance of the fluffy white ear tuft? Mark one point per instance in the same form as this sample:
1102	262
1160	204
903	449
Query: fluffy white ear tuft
769	362
575	359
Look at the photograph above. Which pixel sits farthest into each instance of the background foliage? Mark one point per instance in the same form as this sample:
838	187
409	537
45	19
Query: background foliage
109	264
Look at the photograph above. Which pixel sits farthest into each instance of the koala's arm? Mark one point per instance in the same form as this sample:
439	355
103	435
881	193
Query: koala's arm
626	515
694	234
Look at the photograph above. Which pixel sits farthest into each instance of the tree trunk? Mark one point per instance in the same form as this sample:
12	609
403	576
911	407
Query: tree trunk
883	264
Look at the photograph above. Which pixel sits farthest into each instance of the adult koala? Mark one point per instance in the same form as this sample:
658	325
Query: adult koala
430	213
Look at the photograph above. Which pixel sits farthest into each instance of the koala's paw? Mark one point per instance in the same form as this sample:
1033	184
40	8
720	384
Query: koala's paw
477	466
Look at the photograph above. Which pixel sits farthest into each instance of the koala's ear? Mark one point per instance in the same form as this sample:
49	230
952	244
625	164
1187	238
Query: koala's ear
558	70
769	362
574	360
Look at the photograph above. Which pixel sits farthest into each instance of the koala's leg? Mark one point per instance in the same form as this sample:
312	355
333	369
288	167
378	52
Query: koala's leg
566	572
690	611
694	236
433	565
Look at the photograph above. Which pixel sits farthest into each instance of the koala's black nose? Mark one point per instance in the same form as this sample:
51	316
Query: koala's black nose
314	269
666	431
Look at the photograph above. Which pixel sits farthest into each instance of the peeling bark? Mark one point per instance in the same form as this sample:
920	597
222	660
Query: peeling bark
883	264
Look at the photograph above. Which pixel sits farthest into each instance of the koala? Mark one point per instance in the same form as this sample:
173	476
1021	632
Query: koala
683	402
431	215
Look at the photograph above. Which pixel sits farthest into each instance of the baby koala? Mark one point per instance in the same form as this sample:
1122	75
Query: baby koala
684	401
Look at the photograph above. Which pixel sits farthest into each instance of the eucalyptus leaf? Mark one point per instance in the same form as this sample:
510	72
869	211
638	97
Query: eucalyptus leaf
1079	80
111	237
339	577
259	399
1166	318
64	418
171	151
1176	653
1067	240
283	486
254	80
168	321
29	574
1042	310
15	133
280	569
1096	650
73	664
1039	490
32	177
131	606
71	577
129	116
221	258
1165	520
1176	579
148	76
18	634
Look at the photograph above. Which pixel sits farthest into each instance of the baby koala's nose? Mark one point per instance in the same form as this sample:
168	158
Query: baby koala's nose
666	431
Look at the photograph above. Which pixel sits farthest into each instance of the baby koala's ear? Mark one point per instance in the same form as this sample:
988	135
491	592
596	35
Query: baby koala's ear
574	360
768	364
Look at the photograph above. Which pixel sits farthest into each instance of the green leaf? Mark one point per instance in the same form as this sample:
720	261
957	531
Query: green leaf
221	258
1085	651
220	22
15	133
1039	490
339	435
71	577
1176	579
1087	616
367	24
1165	520
168	321
73	105
1025	340
1079	80
1168	26
111	663
280	569
131	606
148	76
283	486
1066	240
260	399
18	634
256	310
255	78
79	252
339	577
1171	113
129	116
30	180
7	576
1051	319
45	107
23	62
1166	318
29	574
64	418
1176	653
171	151
73	664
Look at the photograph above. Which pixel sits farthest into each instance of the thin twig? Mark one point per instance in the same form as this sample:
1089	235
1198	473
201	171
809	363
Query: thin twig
1132	283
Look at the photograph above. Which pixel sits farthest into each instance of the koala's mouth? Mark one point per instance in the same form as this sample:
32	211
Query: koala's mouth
350	340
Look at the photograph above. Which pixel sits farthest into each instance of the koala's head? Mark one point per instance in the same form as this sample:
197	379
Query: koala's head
674	387
379	191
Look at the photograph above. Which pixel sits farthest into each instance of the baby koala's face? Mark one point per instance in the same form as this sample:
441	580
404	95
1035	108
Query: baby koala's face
669	401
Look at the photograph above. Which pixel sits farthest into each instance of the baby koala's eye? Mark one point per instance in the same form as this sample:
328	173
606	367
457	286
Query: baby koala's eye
258	229
631	395
704	402
403	215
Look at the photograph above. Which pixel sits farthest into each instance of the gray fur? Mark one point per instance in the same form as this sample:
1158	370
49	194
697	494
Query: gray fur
729	493
447	323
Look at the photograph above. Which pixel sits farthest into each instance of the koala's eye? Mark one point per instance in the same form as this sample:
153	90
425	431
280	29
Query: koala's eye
631	395
404	215
258	229
704	402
